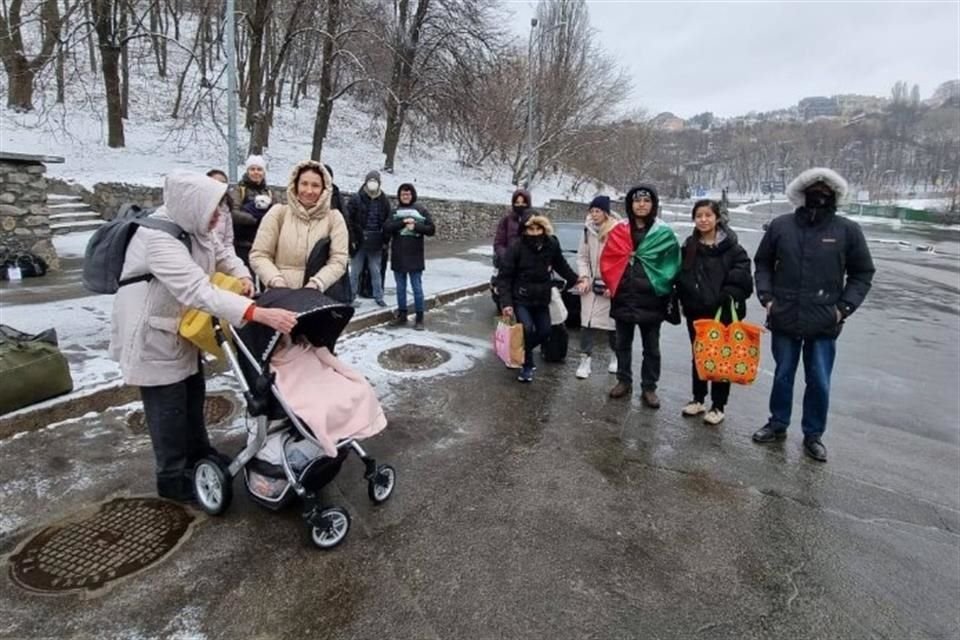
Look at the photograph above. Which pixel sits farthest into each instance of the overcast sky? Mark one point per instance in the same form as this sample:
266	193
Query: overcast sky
734	57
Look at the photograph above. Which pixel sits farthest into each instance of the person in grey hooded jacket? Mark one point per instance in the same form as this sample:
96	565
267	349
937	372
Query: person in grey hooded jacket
145	336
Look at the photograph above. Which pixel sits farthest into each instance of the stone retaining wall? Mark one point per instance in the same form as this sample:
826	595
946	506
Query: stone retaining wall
455	219
24	222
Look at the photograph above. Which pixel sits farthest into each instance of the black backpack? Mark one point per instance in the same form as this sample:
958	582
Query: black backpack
30	264
107	249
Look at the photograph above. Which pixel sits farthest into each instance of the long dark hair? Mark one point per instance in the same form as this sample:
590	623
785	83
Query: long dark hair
690	251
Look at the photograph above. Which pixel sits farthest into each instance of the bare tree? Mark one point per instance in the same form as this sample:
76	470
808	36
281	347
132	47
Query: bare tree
20	69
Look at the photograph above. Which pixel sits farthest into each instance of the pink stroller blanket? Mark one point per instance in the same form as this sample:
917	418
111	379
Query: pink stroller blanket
333	400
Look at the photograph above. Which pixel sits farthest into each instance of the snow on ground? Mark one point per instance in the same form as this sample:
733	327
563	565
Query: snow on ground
72	245
157	144
83	324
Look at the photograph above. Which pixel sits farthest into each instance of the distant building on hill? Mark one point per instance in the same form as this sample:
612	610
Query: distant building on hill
667	122
819	107
852	104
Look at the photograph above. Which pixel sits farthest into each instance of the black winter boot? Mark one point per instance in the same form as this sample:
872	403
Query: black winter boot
418	325
400	320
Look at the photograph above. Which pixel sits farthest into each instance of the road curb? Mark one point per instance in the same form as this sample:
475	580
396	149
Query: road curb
112	395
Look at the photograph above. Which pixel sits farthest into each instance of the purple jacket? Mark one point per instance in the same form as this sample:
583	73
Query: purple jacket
510	227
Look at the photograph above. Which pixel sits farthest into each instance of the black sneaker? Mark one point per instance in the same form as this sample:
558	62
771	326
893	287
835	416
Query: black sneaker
768	434
815	449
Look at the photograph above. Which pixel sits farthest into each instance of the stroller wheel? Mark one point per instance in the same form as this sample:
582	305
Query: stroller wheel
334	523
380	487
212	485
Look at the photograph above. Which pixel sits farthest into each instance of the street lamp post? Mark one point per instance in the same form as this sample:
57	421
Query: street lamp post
533	25
231	93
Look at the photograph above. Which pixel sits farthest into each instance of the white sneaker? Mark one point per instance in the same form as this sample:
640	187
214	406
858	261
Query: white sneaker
713	417
694	409
583	371
612	367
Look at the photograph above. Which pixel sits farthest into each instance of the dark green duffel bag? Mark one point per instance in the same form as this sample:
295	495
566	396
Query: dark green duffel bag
31	367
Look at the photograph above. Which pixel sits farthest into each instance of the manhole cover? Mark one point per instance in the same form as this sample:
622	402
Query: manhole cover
122	537
216	409
412	357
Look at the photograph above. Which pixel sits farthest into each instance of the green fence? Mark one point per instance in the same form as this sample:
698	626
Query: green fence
902	213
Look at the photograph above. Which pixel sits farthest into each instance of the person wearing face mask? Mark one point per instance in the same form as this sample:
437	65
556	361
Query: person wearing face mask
524	281
813	270
367	211
512	223
290	232
638	265
166	277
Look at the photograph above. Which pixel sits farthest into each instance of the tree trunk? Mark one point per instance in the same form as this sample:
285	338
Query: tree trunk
124	64
110	57
91	47
61	75
20	81
255	75
391	137
325	102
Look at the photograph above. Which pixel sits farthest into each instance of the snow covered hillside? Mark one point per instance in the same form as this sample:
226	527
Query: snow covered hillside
157	143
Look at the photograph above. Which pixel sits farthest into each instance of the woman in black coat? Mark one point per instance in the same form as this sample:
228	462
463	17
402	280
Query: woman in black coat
715	275
525	282
406	228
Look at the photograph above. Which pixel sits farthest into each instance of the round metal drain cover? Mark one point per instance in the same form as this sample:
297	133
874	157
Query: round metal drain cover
412	357
120	538
216	409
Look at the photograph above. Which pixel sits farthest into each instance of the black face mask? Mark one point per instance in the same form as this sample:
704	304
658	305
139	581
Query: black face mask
820	200
535	242
519	209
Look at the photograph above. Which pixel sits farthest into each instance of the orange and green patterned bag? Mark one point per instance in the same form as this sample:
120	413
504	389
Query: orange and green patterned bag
727	353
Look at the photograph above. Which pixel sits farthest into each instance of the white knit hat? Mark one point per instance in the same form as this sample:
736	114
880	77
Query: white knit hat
255	161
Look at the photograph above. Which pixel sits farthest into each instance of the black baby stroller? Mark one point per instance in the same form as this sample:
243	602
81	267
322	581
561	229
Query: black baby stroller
299	468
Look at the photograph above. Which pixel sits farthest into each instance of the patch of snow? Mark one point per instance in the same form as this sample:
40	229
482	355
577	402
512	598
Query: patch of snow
157	143
72	245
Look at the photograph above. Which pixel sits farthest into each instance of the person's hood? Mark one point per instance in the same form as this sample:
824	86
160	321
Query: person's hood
409	187
542	221
372	175
323	203
628	203
795	190
190	200
525	194
602	230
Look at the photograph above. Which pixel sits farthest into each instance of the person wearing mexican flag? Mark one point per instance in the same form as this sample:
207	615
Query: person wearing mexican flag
639	264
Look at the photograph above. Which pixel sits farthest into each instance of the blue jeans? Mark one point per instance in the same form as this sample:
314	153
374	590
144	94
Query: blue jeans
416	283
536	329
371	258
818	356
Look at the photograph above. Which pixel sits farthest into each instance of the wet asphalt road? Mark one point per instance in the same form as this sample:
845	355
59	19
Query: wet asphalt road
549	511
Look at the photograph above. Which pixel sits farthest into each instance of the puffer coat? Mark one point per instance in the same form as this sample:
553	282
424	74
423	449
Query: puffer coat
289	232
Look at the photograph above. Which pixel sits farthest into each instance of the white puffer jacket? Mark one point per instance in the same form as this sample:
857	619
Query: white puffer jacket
146	315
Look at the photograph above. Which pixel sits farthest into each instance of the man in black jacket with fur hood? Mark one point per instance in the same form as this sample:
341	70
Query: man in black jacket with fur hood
813	269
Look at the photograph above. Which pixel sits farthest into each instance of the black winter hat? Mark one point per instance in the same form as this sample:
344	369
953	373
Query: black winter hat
601	202
406	186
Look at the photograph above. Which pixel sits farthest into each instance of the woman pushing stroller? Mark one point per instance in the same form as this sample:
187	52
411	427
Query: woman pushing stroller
146	316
